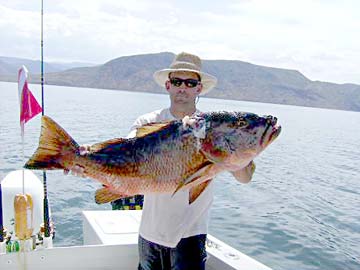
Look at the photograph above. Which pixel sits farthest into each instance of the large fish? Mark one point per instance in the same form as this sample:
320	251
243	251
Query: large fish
163	157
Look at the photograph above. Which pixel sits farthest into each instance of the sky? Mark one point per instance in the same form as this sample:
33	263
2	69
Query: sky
319	38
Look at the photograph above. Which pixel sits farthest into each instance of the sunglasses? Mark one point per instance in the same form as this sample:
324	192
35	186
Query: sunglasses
190	83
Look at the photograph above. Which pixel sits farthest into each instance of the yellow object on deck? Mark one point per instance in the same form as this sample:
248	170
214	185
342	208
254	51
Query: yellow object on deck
23	208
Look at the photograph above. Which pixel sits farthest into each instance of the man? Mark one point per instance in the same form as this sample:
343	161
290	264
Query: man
172	233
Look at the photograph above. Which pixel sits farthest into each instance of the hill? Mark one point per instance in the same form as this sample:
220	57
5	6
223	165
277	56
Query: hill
237	80
10	65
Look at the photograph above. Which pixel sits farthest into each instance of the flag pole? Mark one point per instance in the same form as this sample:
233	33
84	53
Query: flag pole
47	238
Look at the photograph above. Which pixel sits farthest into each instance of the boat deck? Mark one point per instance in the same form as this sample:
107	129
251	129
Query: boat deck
110	242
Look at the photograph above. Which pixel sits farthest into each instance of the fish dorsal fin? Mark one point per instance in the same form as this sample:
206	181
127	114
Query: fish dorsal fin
150	128
102	145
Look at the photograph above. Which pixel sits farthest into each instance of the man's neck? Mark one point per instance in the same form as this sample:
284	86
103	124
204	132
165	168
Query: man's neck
181	113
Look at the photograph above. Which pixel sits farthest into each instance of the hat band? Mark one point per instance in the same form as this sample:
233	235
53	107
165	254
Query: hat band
184	65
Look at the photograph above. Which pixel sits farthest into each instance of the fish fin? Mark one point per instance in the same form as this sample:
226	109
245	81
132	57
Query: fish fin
103	145
213	154
196	191
245	174
54	144
180	186
105	195
150	128
196	178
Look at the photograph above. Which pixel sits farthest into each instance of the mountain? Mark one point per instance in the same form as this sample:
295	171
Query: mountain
10	65
237	80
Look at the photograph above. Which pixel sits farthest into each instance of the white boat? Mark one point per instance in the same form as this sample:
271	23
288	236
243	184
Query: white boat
110	242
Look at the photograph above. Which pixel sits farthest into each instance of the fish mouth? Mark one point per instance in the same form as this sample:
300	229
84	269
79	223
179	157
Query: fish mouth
274	133
270	134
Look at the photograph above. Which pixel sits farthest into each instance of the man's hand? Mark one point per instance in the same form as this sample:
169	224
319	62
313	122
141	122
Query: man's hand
78	170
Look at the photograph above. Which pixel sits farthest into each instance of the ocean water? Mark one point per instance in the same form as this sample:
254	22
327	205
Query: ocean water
300	211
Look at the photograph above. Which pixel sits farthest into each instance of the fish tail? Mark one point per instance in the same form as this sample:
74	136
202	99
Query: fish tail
56	148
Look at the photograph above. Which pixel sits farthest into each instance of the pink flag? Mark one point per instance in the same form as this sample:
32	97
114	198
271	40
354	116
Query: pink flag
29	107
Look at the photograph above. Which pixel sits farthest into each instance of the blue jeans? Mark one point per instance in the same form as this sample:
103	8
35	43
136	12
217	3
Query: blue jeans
189	254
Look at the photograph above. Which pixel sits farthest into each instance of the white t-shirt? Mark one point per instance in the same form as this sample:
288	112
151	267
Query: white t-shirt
167	218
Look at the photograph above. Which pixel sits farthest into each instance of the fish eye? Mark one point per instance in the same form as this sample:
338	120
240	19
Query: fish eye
238	123
242	123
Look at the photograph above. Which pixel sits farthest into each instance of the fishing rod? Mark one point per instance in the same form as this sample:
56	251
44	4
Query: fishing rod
1	219
2	229
47	228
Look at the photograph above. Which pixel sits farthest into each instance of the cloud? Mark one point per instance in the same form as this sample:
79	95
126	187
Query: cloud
305	35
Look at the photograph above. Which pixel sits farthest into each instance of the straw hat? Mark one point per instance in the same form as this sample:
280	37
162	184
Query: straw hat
186	62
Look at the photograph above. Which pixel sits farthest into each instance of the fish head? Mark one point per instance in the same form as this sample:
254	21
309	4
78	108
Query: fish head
237	137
